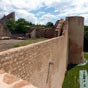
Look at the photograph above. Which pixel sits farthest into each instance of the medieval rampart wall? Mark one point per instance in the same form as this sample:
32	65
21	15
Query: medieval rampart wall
43	63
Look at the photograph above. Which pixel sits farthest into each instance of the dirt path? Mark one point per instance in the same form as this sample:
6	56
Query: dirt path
7	44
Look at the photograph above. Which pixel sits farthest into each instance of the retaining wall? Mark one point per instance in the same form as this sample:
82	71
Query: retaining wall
43	63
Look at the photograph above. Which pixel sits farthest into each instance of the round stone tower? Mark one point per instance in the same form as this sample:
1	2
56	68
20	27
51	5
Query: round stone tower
76	39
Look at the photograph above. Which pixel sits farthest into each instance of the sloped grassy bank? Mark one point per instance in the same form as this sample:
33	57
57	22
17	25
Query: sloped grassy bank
72	76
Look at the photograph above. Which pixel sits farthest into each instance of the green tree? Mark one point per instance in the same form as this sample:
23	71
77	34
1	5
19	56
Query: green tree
21	25
49	24
86	38
23	21
11	24
86	32
85	28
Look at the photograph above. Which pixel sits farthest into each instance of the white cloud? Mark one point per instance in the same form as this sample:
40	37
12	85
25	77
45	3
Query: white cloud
62	8
40	13
26	4
28	16
46	18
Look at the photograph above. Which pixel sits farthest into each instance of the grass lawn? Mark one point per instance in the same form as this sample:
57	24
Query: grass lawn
29	41
72	76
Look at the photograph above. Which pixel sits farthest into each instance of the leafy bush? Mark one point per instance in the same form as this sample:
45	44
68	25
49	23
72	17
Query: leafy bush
23	26
49	24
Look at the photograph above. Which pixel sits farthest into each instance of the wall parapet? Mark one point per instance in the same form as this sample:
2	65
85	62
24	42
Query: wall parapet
32	62
30	45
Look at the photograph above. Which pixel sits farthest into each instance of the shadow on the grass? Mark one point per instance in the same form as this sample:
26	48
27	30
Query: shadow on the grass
70	66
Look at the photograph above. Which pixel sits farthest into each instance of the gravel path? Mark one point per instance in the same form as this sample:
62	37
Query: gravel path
7	44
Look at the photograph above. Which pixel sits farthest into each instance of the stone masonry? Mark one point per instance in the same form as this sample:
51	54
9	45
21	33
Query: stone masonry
44	63
38	63
8	17
10	81
59	27
4	31
76	39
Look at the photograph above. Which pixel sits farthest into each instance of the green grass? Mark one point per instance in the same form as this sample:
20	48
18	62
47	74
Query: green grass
72	75
86	55
29	41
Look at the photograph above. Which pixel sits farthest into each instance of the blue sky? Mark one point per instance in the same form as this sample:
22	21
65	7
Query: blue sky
43	11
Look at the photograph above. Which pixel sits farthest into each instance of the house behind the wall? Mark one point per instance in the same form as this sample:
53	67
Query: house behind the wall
32	31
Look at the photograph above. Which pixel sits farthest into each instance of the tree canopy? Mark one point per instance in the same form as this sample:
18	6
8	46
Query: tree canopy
86	38
85	28
49	24
19	26
22	26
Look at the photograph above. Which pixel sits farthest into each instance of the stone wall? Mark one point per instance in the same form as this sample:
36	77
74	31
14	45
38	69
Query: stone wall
10	81
1	30
8	17
46	33
4	31
49	33
40	33
59	27
43	64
